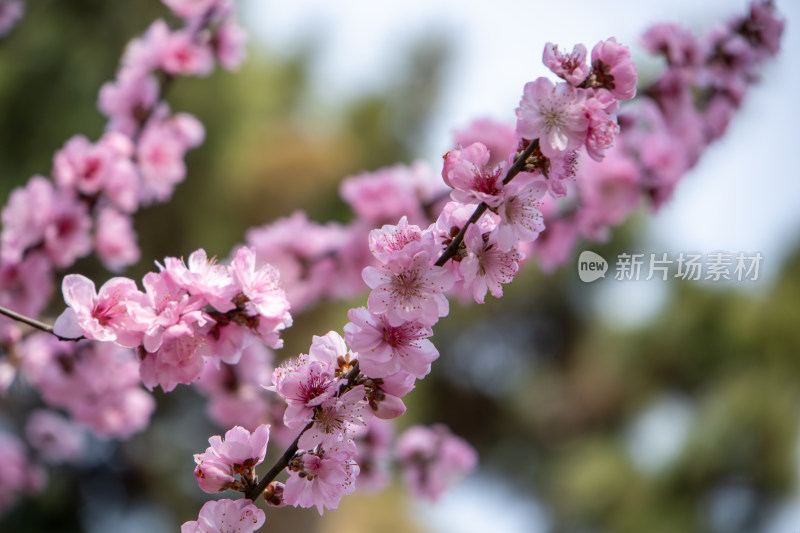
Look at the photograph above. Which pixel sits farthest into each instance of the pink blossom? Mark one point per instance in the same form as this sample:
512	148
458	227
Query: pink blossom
10	13
520	217
603	128
143	55
217	516
384	195
240	448
103	315
321	478
499	138
273	494
331	349
167	303
335	420
302	251
56	439
408	290
176	52
238	453
66	236
467	170
26	287
386	392
190	8
763	28
613	69
74	377
384	349
92	168
554	115
178	357
610	191
571	67
555	244
374	442
678	45
25	217
451	219
560	172
213	475
260	286
127	99
160	151
404	237
226	340
486	267
236	396
115	240
304	384
229	45
19	475
82	165
180	54
39	215
204	277
432	458
160	158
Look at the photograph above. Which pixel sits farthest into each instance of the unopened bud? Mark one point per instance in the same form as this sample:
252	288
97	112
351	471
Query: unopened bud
273	494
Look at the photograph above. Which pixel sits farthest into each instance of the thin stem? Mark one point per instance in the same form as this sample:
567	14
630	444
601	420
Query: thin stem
277	468
519	164
284	459
47	328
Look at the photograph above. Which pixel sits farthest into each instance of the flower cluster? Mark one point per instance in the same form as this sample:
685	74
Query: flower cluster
557	119
335	391
19	474
10	13
187	314
464	234
431	457
310	254
226	515
326	405
664	133
238	453
97	186
637	151
75	377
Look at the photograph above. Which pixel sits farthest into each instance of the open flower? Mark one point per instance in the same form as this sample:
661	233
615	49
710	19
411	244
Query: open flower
406	290
554	115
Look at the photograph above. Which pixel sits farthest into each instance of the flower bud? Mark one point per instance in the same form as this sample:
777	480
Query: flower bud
273	494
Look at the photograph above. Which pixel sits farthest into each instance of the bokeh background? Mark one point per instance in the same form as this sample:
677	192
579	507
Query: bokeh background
613	406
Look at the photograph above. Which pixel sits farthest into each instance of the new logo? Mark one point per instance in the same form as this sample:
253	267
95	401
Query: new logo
591	266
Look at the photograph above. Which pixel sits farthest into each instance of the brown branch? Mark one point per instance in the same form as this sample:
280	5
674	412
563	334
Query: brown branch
254	492
47	328
277	468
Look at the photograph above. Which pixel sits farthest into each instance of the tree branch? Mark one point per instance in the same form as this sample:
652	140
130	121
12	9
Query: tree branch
277	468
519	164
47	328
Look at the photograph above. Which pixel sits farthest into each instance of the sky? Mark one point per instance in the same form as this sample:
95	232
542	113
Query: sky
742	197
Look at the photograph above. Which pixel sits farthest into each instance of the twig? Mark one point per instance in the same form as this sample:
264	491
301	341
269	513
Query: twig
519	163
47	328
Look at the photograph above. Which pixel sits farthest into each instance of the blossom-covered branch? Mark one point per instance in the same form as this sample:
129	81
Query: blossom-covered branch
198	319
